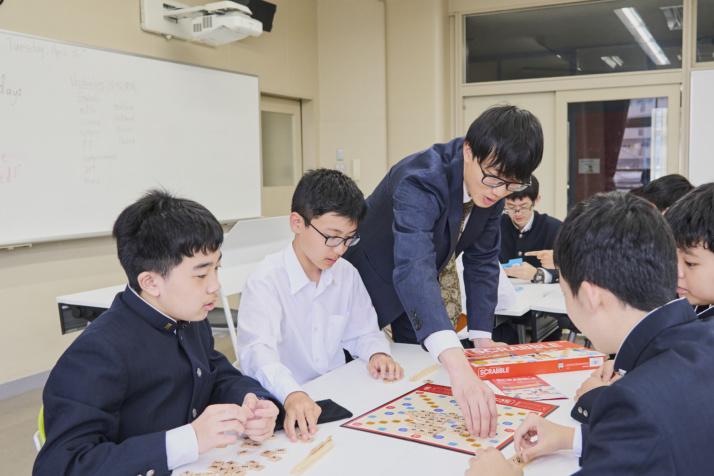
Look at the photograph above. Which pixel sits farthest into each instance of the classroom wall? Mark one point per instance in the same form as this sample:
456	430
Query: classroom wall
286	60
353	87
418	79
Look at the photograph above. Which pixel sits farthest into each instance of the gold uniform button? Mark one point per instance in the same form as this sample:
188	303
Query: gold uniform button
198	372
150	472
194	413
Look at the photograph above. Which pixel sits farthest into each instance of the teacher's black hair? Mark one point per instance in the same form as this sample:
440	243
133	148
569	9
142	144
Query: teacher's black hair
508	139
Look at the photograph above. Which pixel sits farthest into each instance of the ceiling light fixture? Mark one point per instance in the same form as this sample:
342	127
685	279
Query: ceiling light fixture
637	28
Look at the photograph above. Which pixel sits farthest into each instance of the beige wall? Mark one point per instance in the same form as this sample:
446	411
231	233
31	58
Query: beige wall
286	61
353	114
418	80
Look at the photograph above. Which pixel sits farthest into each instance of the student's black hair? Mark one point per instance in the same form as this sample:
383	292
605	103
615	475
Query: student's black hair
691	218
664	191
322	191
530	192
620	243
511	137
157	231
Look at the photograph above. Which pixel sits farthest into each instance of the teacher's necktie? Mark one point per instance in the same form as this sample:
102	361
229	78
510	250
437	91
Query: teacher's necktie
449	278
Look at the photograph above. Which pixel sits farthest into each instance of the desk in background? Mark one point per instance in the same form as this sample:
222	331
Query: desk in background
358	453
248	242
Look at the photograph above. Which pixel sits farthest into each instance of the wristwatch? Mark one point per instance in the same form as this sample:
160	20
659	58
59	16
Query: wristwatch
539	276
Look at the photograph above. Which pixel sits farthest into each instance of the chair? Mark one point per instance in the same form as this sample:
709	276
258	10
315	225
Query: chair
39	436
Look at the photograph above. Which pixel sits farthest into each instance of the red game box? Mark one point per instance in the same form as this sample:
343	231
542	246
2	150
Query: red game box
532	359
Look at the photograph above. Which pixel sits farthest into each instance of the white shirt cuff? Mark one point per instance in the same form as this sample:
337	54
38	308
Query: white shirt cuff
479	335
547	276
578	441
439	341
181	446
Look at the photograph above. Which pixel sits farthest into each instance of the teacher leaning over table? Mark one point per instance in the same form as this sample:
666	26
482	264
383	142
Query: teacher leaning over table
431	207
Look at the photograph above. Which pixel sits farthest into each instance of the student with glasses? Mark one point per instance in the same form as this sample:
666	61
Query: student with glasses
528	235
302	306
431	207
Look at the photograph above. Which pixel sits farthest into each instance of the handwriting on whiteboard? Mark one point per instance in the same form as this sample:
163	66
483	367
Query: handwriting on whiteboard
12	94
57	51
8	169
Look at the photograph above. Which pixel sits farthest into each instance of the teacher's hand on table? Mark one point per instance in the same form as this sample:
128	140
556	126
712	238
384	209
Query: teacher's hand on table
491	462
301	409
521	271
537	436
475	398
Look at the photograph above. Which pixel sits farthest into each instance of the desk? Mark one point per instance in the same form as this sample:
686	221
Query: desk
538	298
361	453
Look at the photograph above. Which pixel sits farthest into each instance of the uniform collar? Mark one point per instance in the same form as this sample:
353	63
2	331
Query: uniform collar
672	314
149	313
296	275
707	314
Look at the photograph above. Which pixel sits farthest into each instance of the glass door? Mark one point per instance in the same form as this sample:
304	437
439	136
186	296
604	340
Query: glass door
619	139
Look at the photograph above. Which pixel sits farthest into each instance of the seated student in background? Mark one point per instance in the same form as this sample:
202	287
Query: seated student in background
142	390
618	292
691	220
664	191
302	306
525	234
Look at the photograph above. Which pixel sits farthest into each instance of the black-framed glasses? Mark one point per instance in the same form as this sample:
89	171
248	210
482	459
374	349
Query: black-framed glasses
333	241
513	211
493	182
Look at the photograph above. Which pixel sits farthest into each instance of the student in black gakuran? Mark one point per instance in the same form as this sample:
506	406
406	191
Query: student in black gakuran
618	270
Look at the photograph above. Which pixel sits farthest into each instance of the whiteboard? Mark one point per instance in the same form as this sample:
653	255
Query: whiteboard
701	126
84	132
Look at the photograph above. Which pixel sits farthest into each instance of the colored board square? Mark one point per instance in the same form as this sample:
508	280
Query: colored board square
446	428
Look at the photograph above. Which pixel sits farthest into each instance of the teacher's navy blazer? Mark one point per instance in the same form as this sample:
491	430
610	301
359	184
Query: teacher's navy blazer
409	234
131	376
656	420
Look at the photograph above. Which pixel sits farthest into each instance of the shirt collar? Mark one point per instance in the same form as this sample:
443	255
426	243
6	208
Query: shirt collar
467	197
296	275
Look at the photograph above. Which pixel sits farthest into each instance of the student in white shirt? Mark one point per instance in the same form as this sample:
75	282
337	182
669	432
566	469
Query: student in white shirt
302	306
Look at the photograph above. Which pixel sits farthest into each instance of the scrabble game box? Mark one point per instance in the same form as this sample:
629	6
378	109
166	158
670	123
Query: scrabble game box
532	359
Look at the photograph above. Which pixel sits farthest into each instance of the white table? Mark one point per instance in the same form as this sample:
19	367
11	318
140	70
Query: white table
361	453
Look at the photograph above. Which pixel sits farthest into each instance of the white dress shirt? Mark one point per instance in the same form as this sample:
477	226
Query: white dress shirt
291	330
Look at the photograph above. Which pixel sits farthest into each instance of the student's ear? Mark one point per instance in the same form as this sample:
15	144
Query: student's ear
536	200
297	223
468	153
149	283
593	296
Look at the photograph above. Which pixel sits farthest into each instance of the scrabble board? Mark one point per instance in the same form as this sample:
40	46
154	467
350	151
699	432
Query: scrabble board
431	416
